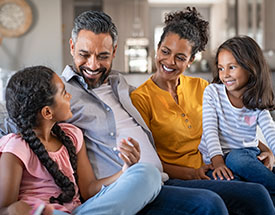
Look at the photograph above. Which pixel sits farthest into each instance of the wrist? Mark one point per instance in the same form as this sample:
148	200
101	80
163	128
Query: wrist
217	161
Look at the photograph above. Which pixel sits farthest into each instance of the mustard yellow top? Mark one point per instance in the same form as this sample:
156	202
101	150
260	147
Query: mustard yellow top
176	128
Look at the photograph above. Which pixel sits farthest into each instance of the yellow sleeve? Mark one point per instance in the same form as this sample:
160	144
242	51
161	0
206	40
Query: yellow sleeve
142	104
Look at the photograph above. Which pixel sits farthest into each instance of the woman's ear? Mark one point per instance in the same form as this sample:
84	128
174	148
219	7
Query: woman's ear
46	113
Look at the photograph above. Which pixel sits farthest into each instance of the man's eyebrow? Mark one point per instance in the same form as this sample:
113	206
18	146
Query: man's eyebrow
85	51
104	53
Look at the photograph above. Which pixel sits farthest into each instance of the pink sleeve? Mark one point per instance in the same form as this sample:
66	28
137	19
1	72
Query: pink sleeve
13	143
74	133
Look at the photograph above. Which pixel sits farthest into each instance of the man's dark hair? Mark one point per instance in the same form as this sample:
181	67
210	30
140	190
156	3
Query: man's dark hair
96	21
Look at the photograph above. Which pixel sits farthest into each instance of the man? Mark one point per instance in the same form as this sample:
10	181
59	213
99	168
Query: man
102	108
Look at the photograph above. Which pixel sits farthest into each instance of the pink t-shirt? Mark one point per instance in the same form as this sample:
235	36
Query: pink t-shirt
37	185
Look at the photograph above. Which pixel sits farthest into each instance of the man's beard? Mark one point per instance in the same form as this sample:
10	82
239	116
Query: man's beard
93	83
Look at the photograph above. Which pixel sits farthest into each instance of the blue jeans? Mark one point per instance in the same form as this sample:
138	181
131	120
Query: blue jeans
203	197
135	188
246	167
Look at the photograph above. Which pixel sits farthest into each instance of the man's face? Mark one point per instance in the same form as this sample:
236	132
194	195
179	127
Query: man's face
92	56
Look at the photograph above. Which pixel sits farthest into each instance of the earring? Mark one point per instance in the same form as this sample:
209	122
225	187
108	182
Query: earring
188	66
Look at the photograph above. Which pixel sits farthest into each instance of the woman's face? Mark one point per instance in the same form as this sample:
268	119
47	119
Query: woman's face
173	56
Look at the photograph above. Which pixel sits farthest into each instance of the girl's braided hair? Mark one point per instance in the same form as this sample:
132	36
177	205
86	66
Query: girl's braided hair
27	92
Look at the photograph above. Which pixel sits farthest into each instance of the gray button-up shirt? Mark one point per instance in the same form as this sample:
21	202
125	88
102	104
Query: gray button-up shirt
96	119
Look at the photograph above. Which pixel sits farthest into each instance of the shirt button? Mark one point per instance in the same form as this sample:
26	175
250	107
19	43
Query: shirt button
108	109
186	120
189	126
112	134
183	115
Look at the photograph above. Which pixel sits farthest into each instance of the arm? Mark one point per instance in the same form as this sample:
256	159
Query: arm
186	173
267	126
11	170
87	182
211	134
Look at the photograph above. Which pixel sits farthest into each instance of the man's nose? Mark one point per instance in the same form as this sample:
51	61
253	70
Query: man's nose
93	63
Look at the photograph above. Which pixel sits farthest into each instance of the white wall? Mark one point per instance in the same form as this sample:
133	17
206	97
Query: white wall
42	44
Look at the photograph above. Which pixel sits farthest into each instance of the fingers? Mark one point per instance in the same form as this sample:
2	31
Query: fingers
129	152
135	143
202	172
262	156
223	173
267	159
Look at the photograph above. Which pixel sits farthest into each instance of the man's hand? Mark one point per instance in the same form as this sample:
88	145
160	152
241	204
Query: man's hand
129	152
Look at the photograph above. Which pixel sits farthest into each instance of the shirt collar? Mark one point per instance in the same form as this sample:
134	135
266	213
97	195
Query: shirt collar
68	74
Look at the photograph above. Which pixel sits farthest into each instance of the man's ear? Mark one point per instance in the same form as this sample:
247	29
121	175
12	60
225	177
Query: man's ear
46	113
71	46
114	52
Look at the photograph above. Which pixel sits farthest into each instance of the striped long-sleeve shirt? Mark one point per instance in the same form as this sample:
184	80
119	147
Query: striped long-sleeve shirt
226	127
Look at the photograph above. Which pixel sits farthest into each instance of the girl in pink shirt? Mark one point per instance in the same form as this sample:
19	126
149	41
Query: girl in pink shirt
45	163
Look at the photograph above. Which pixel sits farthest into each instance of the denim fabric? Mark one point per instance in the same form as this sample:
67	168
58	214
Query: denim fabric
246	167
136	187
180	200
240	198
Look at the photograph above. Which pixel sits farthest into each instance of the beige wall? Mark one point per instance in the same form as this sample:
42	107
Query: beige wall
122	13
41	44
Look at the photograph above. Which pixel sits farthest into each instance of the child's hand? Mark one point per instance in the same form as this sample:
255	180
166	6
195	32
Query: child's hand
19	208
129	152
221	171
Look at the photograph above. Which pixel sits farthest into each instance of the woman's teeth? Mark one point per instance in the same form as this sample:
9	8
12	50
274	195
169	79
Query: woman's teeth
167	69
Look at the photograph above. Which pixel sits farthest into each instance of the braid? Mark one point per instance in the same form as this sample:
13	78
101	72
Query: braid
60	179
66	141
27	92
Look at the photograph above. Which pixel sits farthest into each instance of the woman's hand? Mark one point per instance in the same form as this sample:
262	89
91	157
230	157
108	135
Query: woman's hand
200	173
129	152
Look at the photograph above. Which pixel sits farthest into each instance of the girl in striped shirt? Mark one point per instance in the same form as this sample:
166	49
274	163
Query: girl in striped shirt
239	100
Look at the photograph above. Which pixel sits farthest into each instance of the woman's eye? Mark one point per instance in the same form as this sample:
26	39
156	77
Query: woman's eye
181	59
220	69
232	67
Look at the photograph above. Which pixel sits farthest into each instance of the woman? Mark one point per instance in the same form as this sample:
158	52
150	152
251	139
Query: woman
171	105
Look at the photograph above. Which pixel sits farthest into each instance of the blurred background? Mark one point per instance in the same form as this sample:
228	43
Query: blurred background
46	38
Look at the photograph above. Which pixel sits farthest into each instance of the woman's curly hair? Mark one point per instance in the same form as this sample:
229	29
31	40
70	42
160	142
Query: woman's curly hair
188	25
27	92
